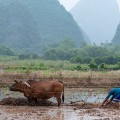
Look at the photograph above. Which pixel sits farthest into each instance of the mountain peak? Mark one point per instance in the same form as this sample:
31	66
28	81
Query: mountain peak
98	18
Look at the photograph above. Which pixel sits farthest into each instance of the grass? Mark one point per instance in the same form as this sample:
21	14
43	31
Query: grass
36	65
12	64
11	68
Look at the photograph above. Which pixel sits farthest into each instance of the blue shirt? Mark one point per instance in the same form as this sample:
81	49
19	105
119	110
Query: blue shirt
113	92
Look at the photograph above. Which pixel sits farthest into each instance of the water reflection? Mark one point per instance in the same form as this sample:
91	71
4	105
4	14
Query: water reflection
63	114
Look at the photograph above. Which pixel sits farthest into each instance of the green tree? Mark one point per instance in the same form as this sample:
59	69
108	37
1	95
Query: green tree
6	51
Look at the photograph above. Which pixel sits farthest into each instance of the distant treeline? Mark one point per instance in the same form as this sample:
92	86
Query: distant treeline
6	51
67	50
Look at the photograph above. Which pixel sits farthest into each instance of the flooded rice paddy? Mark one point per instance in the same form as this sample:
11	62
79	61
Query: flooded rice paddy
65	112
92	95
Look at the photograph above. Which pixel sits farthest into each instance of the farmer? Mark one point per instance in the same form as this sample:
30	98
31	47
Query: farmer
113	95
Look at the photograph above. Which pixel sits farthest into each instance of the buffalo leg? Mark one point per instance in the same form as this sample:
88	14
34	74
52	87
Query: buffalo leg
35	100
29	101
58	100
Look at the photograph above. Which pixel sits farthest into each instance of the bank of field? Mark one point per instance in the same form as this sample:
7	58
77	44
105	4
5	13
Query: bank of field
73	75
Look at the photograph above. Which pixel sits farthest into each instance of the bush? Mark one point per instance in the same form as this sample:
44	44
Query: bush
102	66
93	65
28	56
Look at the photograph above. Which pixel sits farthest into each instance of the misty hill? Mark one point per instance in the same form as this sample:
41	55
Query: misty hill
116	39
98	18
34	24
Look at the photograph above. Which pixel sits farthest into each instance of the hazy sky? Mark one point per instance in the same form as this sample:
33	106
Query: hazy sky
68	4
118	3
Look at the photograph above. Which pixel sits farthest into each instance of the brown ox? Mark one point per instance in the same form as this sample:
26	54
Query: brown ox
34	90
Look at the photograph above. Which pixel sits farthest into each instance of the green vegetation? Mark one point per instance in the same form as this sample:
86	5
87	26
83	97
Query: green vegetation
64	56
100	54
6	51
12	64
35	65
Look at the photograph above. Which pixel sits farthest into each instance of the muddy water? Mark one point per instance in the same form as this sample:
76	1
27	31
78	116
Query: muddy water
37	113
84	94
55	113
93	95
62	113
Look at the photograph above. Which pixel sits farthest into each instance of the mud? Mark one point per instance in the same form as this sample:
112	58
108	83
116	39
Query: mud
80	104
77	105
55	113
23	102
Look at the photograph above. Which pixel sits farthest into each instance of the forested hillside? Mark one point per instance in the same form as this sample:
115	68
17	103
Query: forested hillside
18	29
32	25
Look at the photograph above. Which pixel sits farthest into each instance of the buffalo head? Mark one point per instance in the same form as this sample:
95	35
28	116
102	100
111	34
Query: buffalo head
18	86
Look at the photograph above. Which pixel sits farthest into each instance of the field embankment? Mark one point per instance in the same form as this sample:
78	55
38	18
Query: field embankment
70	78
13	69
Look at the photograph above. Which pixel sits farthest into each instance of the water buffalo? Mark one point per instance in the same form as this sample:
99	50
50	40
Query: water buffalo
34	90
